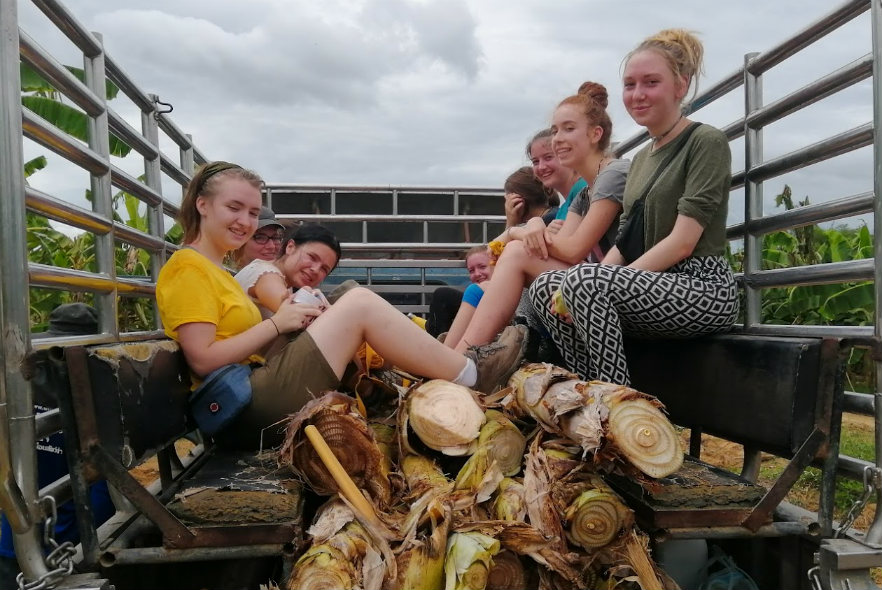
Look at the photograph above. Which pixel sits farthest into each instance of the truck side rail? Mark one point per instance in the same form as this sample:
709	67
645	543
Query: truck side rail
19	427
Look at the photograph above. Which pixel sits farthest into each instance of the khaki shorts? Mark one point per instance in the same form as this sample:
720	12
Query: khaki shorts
297	374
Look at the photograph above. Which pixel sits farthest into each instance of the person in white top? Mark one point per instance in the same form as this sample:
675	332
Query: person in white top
264	244
306	256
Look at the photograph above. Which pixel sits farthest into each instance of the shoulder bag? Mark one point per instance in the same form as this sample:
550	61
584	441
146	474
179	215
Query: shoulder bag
631	241
221	397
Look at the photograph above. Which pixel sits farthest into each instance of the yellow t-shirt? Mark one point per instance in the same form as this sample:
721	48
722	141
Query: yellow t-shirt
193	289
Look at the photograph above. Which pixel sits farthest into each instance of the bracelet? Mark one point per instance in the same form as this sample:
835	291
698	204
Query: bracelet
273	322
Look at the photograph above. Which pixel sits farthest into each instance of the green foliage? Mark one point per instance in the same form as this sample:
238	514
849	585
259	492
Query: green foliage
45	100
32	81
845	304
48	246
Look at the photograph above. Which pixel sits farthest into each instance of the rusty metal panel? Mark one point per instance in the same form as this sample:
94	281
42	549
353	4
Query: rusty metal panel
139	397
698	495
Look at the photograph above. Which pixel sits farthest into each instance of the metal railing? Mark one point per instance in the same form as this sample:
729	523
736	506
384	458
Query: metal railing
19	427
428	223
397	249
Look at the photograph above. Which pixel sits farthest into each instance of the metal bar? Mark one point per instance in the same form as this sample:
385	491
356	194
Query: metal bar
121	128
44	343
59	76
291	187
150	555
53	277
810	331
64	19
175	134
415	289
852	467
817	30
750	468
734	130
155	217
874	534
128	87
173	530
409	246
47	423
60	489
807	215
137	238
199	157
785	481
102	198
817	152
753	196
18	457
72	381
814	274
775	529
846	76
858	403
718	90
135	187
65	212
188	159
49	136
173	171
351	218
369	262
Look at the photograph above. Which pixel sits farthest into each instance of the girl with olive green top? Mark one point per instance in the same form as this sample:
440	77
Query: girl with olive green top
681	286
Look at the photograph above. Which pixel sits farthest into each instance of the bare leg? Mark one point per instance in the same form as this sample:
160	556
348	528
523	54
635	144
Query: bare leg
460	323
514	271
360	315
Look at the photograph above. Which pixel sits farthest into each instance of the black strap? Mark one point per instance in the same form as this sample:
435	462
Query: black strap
658	171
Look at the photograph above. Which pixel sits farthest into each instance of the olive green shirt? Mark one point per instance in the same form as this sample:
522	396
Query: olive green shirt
695	184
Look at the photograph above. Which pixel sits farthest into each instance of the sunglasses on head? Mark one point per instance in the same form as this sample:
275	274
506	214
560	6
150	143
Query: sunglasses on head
264	238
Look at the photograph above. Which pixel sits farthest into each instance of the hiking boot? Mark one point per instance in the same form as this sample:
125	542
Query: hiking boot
497	360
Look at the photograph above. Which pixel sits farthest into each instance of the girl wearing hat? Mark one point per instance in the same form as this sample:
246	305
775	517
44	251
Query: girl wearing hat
264	244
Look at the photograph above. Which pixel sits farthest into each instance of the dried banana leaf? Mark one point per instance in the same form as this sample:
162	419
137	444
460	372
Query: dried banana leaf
351	440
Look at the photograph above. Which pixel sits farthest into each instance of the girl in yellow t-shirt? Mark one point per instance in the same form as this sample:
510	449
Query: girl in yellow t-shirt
216	323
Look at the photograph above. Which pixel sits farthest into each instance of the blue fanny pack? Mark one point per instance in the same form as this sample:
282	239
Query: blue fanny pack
221	397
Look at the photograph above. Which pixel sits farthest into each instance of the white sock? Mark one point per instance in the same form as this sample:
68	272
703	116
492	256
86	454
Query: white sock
469	374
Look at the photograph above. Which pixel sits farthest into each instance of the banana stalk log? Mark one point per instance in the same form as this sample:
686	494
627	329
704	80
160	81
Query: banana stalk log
605	419
500	452
421	565
345	559
510	502
445	416
468	561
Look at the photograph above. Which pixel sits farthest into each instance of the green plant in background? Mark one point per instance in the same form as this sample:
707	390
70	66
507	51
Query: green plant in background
46	245
844	304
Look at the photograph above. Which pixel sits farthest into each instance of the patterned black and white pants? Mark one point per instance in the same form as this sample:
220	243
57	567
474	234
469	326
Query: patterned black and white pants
694	297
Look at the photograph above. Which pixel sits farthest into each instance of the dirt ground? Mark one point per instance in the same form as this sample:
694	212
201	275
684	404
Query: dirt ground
731	456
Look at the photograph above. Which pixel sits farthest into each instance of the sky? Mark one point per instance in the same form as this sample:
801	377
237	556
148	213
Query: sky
438	92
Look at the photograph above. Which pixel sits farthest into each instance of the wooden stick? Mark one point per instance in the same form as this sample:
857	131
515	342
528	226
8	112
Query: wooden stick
345	483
